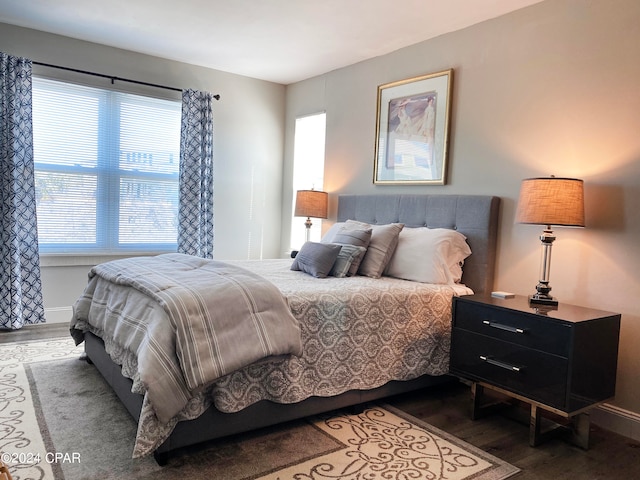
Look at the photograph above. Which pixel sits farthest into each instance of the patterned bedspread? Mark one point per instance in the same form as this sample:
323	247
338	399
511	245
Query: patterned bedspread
357	333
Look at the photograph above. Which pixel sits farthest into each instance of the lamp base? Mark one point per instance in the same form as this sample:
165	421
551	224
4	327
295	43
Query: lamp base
541	299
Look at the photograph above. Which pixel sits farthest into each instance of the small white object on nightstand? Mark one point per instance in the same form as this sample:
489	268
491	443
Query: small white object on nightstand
500	294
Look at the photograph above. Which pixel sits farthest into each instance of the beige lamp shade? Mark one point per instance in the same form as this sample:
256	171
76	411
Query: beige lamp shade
311	203
551	201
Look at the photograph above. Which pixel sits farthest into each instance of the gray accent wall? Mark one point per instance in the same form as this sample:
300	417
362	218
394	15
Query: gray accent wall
549	89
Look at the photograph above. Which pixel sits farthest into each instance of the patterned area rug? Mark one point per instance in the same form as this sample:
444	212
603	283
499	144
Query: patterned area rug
60	420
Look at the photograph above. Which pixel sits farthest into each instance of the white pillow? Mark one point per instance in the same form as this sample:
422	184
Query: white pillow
429	255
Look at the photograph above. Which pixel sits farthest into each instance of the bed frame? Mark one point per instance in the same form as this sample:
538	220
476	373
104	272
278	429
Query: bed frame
475	216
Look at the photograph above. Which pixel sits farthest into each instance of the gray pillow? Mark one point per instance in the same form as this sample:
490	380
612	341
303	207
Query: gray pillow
354	234
348	255
328	237
384	239
316	258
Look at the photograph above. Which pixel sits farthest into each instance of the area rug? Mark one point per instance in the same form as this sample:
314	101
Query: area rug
60	420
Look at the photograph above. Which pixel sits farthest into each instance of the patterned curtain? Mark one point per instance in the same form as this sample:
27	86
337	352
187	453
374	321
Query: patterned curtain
20	286
195	216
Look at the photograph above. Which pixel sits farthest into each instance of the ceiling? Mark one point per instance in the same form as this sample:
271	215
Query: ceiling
282	41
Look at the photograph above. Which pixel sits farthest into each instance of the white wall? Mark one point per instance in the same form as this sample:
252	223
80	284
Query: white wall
248	148
550	89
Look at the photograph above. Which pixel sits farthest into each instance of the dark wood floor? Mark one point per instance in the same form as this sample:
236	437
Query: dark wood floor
610	456
34	332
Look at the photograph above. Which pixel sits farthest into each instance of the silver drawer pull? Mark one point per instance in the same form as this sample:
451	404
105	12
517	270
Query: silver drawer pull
500	364
503	327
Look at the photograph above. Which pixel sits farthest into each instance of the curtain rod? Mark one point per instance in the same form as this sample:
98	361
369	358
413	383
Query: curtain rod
112	78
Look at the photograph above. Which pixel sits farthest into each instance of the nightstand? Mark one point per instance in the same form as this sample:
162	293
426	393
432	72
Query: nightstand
561	362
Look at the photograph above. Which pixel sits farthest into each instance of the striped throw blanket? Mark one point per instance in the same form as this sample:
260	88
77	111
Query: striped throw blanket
224	317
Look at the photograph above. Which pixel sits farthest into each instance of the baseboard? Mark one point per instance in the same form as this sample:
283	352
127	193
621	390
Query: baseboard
617	420
58	314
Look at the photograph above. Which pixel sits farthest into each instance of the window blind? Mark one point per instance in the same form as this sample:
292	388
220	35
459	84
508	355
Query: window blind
106	169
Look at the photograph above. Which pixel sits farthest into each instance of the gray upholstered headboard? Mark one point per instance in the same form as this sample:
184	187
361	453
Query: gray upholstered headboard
475	216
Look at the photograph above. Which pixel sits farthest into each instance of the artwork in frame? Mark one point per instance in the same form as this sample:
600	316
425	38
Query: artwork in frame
412	130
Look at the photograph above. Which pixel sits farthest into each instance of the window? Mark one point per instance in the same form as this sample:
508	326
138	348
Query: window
106	169
308	170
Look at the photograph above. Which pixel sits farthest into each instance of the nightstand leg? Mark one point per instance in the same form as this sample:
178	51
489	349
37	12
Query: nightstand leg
483	405
535	422
577	432
477	392
580	425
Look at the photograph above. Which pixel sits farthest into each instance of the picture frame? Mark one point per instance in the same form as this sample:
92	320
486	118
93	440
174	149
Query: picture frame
412	130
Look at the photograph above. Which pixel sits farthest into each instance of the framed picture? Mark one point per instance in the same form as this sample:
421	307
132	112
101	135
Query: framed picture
412	130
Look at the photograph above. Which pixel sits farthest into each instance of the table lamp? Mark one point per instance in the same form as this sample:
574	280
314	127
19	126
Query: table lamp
550	201
311	203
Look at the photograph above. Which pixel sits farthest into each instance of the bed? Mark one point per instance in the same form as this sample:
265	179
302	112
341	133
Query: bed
354	359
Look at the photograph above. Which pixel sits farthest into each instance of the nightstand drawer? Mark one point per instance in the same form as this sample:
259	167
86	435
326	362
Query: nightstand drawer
532	331
538	375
